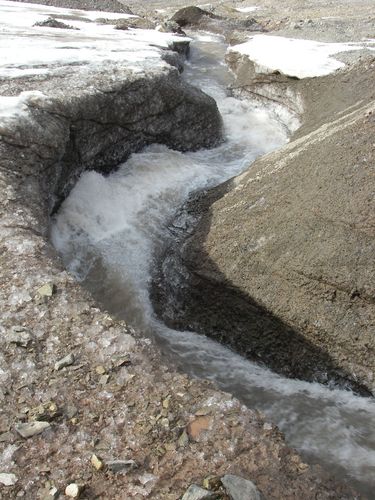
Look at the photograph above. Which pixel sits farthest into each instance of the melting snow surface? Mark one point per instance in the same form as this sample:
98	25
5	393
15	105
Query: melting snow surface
27	50
295	57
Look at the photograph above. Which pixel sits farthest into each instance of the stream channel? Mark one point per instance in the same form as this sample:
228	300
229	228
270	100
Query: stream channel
109	230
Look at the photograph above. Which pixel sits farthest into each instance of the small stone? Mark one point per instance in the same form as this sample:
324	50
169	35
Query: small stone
211	483
73	490
31	428
239	488
104	379
71	411
166	402
66	361
267	426
96	462
8	479
195	492
46	290
197	426
100	370
53	492
183	440
19	336
6	437
122	466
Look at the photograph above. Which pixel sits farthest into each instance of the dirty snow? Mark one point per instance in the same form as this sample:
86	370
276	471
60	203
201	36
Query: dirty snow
245	10
26	50
295	57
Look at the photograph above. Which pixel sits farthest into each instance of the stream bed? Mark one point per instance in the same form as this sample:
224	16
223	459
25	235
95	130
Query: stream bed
110	228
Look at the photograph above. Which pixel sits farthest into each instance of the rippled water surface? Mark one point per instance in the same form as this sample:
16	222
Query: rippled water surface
109	229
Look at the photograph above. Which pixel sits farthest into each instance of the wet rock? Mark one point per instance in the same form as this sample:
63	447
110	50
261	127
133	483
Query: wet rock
73	490
195	492
64	362
121	466
30	429
51	22
8	479
239	488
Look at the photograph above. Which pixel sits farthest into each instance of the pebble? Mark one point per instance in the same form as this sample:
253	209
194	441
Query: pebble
96	462
30	429
8	479
239	488
46	290
66	361
122	466
73	490
195	492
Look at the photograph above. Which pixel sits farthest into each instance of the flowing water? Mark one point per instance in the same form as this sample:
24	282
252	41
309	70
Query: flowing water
110	228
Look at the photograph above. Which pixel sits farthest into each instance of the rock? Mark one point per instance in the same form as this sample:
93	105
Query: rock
64	362
20	336
170	27
135	23
6	437
97	463
46	290
189	16
195	492
121	466
73	490
30	429
8	479
239	488
51	22
197	426
183	440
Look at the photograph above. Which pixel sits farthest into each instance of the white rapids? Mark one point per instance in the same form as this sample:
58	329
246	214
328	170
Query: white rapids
109	229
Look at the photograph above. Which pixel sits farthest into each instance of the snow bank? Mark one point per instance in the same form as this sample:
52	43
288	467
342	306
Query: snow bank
294	57
27	50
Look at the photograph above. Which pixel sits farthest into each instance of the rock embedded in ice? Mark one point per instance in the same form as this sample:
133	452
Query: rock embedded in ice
31	429
121	466
64	362
239	488
8	479
46	290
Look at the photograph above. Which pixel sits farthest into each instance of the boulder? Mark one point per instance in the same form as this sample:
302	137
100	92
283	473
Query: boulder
191	16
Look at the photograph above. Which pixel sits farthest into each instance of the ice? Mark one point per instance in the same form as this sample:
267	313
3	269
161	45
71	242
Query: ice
245	10
28	50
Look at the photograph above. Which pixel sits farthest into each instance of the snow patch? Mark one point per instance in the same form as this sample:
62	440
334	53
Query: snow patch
31	50
245	10
295	57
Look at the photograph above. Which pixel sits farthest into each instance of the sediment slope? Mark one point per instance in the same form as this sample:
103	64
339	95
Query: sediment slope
282	266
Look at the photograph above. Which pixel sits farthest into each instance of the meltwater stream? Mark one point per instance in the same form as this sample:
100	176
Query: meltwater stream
109	229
